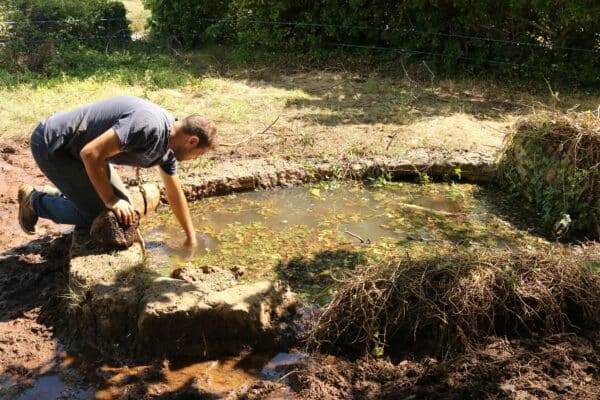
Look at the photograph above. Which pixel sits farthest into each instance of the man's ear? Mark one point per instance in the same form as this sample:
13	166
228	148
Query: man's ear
193	140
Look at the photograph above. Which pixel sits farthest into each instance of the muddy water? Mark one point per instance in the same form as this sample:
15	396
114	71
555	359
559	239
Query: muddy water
266	229
351	208
81	377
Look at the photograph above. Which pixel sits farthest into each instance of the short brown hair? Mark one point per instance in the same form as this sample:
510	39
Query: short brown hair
201	127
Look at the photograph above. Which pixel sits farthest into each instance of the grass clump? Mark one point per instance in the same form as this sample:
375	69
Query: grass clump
452	301
554	162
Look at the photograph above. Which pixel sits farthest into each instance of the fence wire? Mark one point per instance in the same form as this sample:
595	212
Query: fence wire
408	30
385	28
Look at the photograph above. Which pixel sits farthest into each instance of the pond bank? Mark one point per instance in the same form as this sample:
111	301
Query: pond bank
260	173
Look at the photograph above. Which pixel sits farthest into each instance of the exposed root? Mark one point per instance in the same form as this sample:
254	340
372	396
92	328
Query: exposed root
452	301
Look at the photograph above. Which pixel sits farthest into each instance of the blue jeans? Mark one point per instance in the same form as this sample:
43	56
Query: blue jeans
79	202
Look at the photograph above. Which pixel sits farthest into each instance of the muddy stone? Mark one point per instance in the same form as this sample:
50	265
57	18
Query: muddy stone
240	176
184	318
260	390
108	231
122	306
92	264
216	278
106	286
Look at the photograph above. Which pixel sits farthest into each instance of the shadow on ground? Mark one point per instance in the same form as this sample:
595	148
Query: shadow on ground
314	277
39	337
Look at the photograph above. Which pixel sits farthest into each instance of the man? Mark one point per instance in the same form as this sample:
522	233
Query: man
75	151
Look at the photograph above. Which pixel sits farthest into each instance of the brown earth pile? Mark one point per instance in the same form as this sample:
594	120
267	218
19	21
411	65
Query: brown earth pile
555	367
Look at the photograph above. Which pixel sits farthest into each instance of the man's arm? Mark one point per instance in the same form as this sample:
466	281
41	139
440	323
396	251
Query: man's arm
94	155
178	203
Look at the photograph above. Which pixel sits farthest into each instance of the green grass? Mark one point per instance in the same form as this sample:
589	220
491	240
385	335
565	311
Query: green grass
323	110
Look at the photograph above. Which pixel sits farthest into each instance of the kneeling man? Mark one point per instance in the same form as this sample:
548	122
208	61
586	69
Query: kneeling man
75	150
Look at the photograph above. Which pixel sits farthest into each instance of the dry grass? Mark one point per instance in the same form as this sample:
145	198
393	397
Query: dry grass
323	112
451	301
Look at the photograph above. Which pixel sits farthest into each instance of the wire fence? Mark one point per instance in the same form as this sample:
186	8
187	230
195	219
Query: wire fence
65	21
441	55
401	50
387	28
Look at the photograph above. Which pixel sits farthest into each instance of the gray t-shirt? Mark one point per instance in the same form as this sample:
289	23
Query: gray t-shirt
143	129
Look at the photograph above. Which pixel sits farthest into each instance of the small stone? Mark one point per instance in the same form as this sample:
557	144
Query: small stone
9	150
562	385
508	388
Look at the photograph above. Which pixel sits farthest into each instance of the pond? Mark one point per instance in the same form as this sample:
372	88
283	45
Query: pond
307	235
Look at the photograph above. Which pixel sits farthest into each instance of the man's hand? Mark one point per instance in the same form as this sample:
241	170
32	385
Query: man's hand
190	242
123	210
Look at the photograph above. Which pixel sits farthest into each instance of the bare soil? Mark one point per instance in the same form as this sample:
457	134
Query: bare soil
17	167
556	367
32	279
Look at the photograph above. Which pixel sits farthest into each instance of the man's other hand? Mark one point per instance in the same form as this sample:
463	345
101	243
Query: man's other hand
190	242
123	210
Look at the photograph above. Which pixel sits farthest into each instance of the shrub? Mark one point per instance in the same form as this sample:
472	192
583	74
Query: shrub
444	30
64	19
188	22
44	25
554	163
429	27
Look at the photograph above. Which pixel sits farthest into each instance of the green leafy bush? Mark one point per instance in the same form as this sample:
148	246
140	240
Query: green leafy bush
434	28
64	19
446	31
554	163
43	26
189	22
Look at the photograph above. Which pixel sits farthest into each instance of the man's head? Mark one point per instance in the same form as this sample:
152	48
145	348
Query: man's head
192	137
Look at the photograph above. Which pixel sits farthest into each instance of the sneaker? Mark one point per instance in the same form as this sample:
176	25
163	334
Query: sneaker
27	215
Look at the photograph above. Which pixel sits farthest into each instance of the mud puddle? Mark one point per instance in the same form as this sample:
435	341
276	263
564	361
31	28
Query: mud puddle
82	377
53	387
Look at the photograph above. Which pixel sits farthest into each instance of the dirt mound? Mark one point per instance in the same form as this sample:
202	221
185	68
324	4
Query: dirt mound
550	368
453	301
554	162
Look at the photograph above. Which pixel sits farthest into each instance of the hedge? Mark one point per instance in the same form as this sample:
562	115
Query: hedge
44	25
553	162
39	20
421	27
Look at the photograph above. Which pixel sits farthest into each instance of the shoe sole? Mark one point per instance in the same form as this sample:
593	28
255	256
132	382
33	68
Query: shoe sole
27	231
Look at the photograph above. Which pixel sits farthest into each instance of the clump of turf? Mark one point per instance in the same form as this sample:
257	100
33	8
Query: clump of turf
554	162
453	301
